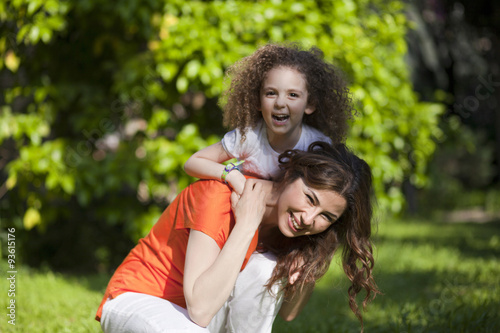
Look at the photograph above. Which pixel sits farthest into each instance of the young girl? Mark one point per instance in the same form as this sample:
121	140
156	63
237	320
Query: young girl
281	97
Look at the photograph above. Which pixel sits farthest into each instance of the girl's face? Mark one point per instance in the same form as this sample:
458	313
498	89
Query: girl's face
303	210
283	103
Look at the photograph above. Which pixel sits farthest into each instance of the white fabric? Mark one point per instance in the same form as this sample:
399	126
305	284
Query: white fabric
250	307
140	313
260	158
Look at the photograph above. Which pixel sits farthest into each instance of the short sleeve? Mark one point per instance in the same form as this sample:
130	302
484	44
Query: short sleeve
231	143
235	148
206	206
310	135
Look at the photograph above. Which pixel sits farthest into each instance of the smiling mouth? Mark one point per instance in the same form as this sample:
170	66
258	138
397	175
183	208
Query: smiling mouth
295	224
281	118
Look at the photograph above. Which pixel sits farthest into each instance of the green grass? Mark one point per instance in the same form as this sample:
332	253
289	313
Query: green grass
48	302
435	277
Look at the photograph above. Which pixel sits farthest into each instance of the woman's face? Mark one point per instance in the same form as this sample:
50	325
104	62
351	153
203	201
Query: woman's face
303	210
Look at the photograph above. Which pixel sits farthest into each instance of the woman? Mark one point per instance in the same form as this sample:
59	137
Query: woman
192	257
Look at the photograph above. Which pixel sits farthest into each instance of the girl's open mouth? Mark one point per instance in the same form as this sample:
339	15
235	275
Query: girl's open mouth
280	119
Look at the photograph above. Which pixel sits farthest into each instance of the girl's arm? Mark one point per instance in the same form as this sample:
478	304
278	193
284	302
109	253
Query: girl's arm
292	307
207	164
210	273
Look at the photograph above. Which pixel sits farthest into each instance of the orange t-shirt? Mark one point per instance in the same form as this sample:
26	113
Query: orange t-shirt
156	265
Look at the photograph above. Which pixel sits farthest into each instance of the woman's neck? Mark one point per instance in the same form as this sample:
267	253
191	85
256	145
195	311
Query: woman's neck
270	218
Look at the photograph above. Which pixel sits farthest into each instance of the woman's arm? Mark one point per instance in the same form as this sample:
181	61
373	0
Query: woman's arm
210	273
207	164
292	307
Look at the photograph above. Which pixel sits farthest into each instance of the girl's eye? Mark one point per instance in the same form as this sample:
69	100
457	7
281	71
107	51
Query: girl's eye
269	93
294	95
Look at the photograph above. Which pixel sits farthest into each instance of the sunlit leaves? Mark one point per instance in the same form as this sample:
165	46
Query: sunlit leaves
41	19
125	124
22	126
31	218
11	61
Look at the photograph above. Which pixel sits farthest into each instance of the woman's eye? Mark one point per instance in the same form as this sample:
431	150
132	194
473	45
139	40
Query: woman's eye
328	218
310	199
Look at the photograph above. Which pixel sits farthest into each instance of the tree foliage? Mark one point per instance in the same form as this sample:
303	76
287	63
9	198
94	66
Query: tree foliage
102	102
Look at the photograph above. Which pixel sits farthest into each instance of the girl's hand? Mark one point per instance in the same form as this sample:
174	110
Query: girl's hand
249	208
236	180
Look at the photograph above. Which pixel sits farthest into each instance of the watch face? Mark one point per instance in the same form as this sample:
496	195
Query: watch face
229	168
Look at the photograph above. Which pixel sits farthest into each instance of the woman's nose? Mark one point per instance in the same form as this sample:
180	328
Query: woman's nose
308	217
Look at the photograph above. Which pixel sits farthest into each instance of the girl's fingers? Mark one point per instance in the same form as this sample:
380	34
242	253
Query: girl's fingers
234	199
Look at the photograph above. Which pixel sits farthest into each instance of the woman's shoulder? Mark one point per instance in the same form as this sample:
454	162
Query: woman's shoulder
207	188
203	205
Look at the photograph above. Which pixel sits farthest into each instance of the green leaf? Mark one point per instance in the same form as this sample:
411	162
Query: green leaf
31	218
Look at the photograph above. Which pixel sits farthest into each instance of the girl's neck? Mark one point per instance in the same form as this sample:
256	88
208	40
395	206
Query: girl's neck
282	142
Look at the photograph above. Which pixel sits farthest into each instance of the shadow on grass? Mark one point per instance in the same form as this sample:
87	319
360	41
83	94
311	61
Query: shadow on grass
412	302
433	295
478	240
97	282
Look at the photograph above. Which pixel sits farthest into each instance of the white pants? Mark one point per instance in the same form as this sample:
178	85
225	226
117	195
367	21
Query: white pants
249	308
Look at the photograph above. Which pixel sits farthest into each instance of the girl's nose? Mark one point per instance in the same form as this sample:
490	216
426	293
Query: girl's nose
279	101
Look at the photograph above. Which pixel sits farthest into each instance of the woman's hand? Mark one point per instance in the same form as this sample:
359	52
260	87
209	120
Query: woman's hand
249	208
295	270
292	307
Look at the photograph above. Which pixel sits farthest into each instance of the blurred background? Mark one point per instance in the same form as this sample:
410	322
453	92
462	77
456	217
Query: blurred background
101	103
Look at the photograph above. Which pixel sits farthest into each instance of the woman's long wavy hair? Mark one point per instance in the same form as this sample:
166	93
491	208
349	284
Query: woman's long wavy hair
326	87
331	168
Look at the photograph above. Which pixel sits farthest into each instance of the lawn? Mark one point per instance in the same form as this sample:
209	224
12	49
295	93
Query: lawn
436	277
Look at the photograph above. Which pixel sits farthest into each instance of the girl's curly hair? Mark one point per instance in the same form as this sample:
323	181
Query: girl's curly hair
331	168
326	87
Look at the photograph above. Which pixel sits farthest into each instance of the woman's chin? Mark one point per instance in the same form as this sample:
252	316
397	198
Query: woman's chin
286	232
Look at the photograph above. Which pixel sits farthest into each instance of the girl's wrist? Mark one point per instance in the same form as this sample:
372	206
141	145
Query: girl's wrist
236	180
231	167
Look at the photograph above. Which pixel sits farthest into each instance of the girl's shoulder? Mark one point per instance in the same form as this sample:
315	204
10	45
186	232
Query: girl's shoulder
258	130
252	132
254	136
311	134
